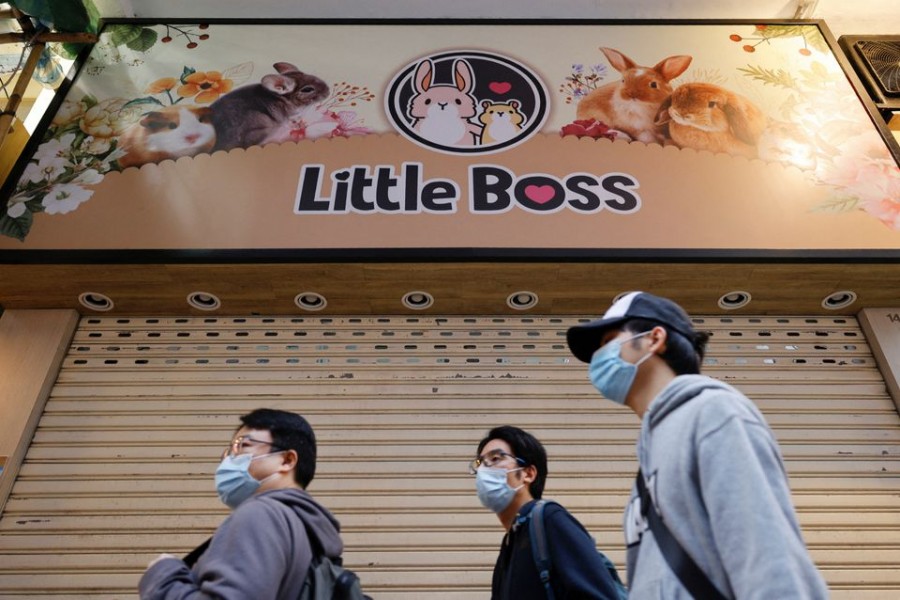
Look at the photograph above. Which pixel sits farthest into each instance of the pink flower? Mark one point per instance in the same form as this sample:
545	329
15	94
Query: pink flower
317	123
593	129
350	124
886	210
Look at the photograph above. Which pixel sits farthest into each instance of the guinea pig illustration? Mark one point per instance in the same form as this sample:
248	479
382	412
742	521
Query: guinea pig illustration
704	116
502	121
251	114
441	112
631	104
167	133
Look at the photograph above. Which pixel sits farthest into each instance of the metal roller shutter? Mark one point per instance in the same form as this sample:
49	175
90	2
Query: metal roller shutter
121	465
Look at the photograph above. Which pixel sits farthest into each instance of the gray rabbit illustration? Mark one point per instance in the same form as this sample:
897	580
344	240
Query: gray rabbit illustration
251	114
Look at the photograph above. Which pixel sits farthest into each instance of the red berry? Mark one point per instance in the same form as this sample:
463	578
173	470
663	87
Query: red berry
205	36
761	27
805	51
203	26
735	37
749	48
192	45
166	40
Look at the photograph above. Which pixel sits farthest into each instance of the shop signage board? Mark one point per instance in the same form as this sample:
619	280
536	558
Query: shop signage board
443	138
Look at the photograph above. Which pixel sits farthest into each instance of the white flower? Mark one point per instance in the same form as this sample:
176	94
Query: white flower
64	198
16	210
89	177
93	145
46	170
33	173
55	148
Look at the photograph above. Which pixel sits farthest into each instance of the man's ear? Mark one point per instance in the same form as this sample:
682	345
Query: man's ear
290	460
658	338
529	473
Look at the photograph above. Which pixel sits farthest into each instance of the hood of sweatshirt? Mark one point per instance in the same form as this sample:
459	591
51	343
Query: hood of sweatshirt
321	526
680	390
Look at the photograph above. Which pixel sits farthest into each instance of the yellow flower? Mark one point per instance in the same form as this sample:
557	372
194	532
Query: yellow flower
108	118
68	111
205	87
161	85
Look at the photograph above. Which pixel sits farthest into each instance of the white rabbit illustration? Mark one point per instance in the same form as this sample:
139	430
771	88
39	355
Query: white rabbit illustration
441	112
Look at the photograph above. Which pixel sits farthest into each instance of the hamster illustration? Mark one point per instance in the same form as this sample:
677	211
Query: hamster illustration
704	116
251	114
631	104
441	112
502	121
170	132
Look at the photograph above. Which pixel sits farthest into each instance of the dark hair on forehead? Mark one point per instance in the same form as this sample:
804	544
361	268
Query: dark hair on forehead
289	431
683	354
524	446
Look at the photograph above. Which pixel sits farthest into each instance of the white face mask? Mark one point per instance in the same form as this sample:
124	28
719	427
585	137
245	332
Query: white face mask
493	489
234	483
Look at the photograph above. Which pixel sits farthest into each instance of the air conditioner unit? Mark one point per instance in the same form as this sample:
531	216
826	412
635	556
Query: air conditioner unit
876	59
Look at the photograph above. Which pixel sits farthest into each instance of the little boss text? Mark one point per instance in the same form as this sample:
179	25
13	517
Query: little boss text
492	189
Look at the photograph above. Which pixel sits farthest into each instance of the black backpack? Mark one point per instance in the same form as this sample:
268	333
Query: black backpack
541	552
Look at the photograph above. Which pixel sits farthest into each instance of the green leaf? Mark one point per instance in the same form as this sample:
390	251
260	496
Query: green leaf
143	42
770	77
120	35
837	205
66	50
39	9
142	101
188	71
89	101
16	228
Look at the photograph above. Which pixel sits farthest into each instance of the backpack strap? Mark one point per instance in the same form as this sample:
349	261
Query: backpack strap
539	548
689	574
191	558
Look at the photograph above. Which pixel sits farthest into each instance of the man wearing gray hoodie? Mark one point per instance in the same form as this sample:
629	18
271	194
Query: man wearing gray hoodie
264	549
716	519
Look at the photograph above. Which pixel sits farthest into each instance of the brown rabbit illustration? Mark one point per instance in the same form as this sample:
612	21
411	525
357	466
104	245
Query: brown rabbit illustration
631	105
708	117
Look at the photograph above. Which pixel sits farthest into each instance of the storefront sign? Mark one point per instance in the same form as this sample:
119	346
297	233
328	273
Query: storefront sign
297	137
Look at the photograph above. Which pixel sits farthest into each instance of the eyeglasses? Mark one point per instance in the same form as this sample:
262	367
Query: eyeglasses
243	444
492	459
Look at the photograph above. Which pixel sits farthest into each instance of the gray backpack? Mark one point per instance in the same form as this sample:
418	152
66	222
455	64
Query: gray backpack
328	580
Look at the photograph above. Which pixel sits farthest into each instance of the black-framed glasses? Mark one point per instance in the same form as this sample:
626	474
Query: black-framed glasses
242	445
492	459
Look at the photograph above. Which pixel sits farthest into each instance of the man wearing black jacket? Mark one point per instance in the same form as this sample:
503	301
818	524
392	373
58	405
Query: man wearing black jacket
510	469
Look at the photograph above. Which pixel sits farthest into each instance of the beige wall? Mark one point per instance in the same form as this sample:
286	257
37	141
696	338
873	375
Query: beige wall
32	346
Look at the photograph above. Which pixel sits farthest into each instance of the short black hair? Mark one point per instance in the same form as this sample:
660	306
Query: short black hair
524	446
289	431
683	355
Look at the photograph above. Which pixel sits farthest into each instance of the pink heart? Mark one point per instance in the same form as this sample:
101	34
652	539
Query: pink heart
500	87
539	193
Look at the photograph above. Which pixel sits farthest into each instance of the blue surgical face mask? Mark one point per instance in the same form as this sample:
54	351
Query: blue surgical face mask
493	489
234	483
610	374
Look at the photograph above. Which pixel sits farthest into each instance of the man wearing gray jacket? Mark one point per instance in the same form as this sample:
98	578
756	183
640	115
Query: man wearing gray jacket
264	549
716	519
